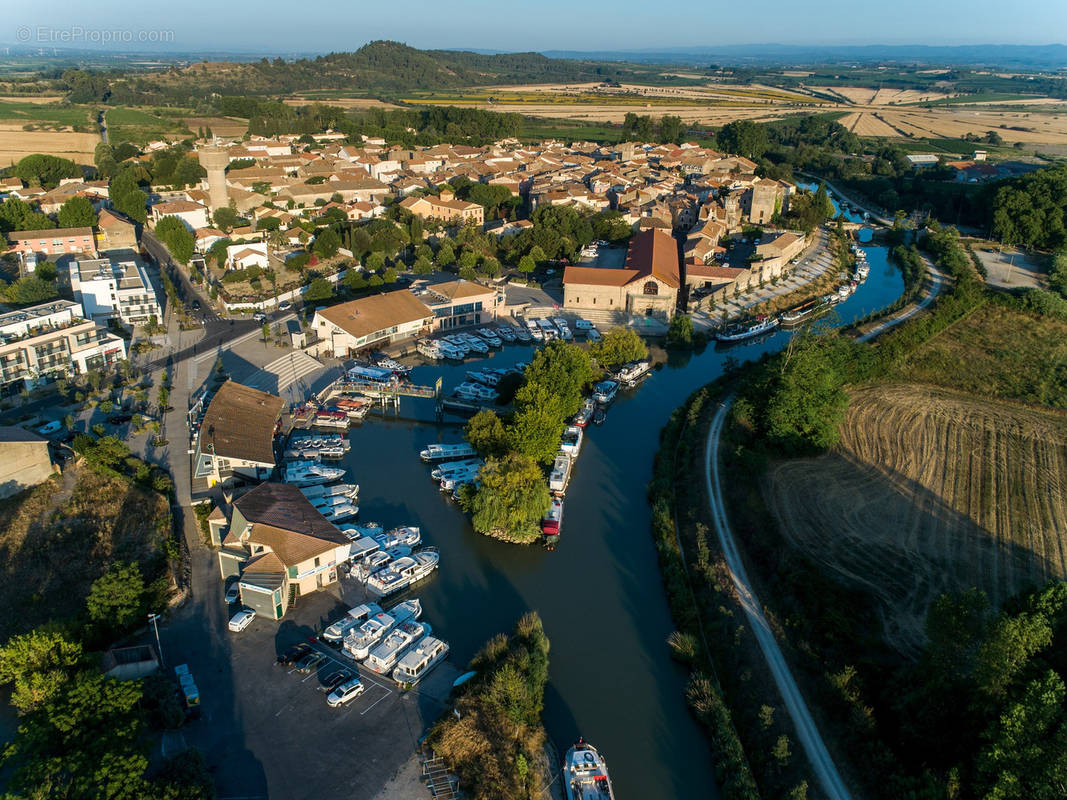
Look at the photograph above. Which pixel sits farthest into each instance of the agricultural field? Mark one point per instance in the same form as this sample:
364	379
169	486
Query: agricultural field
930	491
16	143
357	103
40	125
141	126
226	127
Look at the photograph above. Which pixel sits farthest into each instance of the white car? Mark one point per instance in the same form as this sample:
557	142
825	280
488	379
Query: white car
242	619
345	692
582	324
233	593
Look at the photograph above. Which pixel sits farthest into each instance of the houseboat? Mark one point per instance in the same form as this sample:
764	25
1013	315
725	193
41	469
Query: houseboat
490	338
358	641
354	407
561	474
523	334
505	332
581	419
417	662
452	350
476	391
449	467
488	376
403	572
740	330
354	616
428	348
342	512
585	774
629	374
310	473
572	441
553	518
605	391
475	343
435	453
405	535
385	656
313	493
534	330
330	418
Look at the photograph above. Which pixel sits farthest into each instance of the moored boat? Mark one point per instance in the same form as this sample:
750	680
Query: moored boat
403	572
585	774
739	331
353	617
385	656
572	441
605	391
630	374
553	518
309	473
581	419
561	474
358	642
447	452
417	662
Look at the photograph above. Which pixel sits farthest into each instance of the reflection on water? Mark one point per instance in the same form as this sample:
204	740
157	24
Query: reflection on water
599	593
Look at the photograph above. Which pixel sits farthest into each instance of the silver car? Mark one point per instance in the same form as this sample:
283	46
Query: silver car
345	692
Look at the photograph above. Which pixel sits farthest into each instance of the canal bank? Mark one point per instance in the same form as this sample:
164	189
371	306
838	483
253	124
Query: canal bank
612	679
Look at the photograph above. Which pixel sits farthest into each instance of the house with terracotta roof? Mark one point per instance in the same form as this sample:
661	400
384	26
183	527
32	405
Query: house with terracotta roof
346	328
193	215
646	285
279	547
243	256
445	208
236	436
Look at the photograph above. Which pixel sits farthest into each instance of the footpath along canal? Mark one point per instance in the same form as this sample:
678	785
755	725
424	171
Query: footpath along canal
599	593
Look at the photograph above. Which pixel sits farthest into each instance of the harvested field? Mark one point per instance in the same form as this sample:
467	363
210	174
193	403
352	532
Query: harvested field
220	126
59	537
16	143
343	102
930	491
32	99
863	124
954	123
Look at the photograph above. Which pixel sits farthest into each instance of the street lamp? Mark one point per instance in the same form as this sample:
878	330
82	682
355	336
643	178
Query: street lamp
153	618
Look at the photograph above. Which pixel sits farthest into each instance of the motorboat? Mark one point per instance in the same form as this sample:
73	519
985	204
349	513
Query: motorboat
331	418
739	330
406	535
469	390
585	774
523	334
340	513
561	474
347	490
475	343
488	377
451	350
359	641
581	419
599	416
387	362
505	332
572	441
630	374
491	338
447	452
429	348
534	330
417	662
403	572
605	391
449	467
553	518
402	638
454	480
354	407
353	617
310	473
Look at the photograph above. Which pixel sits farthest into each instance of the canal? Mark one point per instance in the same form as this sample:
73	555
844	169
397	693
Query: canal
599	594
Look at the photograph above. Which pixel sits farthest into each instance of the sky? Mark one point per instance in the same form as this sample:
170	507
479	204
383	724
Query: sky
281	26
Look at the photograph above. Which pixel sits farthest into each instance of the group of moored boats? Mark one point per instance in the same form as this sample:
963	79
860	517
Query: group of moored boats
455	465
810	309
392	642
319	482
388	562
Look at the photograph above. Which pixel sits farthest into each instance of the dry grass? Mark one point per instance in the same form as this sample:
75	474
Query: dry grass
864	124
930	491
16	143
343	102
59	537
32	99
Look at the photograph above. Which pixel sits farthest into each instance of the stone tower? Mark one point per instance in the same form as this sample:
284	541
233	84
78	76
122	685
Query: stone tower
215	160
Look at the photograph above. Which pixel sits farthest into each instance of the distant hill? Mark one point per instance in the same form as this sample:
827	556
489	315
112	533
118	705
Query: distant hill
1040	57
378	67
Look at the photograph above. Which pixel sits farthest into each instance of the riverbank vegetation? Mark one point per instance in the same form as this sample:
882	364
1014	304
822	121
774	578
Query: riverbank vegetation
876	692
493	737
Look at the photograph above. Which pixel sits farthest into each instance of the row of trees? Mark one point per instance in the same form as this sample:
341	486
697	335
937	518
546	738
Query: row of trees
1032	210
18	215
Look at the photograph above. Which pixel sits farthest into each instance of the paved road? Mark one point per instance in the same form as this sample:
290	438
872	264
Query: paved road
807	733
937	280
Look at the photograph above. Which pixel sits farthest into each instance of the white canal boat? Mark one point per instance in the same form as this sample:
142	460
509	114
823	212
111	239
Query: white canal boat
585	774
353	617
435	453
385	656
417	662
403	572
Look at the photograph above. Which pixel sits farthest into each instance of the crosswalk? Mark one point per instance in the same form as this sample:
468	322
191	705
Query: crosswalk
283	372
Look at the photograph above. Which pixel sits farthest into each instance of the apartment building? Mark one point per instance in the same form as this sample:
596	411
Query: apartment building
119	290
55	242
52	340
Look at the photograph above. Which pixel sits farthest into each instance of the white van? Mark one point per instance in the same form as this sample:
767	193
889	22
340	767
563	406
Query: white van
593	335
582	324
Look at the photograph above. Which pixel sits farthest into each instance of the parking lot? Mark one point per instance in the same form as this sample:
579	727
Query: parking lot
279	732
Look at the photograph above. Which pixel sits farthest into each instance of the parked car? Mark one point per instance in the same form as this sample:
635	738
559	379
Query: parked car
336	679
196	305
294	654
259	316
233	593
50	427
242	619
284	305
309	662
119	419
345	692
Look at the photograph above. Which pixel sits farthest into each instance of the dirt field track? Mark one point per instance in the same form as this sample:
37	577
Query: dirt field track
16	143
931	491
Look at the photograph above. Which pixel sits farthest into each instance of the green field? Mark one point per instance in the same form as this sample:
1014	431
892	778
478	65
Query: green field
47	115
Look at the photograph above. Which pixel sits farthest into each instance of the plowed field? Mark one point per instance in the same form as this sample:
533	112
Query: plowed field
931	491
